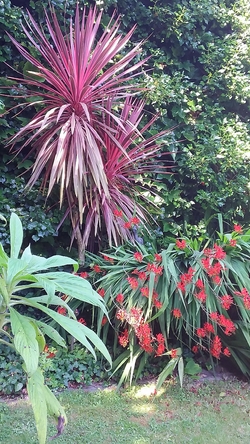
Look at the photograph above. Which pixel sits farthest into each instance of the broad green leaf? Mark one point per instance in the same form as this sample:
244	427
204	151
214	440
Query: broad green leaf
16	235
52	333
77	330
55	300
25	340
75	286
16	268
37	396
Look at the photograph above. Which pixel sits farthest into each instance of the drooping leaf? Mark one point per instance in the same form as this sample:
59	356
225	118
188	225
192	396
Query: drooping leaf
25	340
37	396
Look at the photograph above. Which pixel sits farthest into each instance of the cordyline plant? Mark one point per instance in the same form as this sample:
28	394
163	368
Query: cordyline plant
195	294
123	169
25	334
81	132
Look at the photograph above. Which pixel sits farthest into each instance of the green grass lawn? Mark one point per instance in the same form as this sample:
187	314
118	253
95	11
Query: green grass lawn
218	412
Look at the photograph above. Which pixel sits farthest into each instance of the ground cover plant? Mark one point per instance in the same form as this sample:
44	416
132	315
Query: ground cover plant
20	274
196	414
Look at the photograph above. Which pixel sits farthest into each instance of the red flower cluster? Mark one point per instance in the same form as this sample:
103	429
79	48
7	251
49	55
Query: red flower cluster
82	321
201	296
123	339
199	284
161	344
62	311
133	282
233	242
121	315
153	268
226	301
108	259
216	347
246	297
133	221
181	244
138	256
144	335
158	257
238	228
173	353
84	274
48	353
117	213
119	298
97	268
223	322
185	279
176	313
101	292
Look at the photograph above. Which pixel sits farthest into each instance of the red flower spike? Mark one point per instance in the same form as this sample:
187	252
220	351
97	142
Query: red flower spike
157	304
82	321
138	256
97	268
160	350
142	275
195	349
238	228
101	292
84	274
226	301
209	328
216	347
233	242
181	244
123	339
214	316
121	315
200	284
117	213
127	225
219	252
201	296
226	352
173	353
62	310
119	298
134	221
145	291
133	282
201	332
160	338
176	313
181	286
158	257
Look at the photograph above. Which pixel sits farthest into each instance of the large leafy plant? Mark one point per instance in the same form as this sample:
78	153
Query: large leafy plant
195	295
20	276
81	132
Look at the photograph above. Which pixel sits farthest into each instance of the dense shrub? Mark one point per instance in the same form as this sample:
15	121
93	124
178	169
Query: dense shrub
195	295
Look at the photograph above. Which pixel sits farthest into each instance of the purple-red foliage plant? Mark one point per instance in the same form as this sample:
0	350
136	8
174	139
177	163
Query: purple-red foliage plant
84	135
123	169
